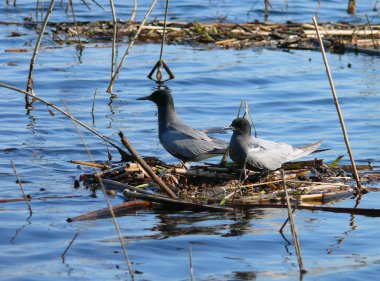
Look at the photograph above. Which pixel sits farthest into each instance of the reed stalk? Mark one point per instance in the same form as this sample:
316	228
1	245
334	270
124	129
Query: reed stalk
109	89
29	85
293	227
68	246
114	38
22	188
341	119
146	167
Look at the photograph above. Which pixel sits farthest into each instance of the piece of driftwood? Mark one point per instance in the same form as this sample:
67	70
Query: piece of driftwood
177	203
118	210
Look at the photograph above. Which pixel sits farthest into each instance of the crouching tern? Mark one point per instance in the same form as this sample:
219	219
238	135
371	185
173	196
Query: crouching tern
180	140
258	154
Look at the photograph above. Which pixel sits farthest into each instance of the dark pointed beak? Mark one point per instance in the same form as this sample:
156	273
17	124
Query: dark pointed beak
144	98
228	128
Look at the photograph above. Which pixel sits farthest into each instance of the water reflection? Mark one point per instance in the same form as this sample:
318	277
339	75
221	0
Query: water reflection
18	230
239	223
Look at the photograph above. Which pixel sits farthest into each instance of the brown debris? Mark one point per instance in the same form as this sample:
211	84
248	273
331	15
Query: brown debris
231	35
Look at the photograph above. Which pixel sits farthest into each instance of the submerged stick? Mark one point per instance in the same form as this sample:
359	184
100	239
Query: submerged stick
68	246
293	227
105	213
29	85
355	172
122	152
109	90
22	188
146	167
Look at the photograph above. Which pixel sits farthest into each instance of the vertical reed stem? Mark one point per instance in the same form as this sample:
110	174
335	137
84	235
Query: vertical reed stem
75	22
29	85
22	188
293	227
372	35
355	172
133	16
109	90
114	38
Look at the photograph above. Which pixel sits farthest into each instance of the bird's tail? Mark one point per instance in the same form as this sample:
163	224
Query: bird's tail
301	151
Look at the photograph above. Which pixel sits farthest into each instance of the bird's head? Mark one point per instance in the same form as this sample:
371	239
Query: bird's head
241	126
160	97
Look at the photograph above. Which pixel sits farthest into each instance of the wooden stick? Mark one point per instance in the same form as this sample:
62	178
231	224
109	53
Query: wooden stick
124	154
22	188
109	90
146	167
105	213
356	176
29	85
293	227
177	203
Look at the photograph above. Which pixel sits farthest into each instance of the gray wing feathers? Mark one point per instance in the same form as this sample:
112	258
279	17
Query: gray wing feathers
180	139
270	155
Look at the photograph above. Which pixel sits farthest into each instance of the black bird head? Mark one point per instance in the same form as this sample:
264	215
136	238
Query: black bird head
161	98
241	126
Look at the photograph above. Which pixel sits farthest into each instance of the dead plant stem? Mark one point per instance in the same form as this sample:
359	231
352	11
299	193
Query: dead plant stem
75	23
29	85
341	119
146	167
109	90
117	227
292	227
22	188
114	38
68	246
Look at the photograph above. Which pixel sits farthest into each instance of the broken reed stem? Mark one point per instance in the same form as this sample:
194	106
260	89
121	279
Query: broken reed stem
75	23
114	38
68	246
117	227
29	85
159	74
146	167
109	90
191	263
22	188
133	16
355	172
124	154
293	227
372	35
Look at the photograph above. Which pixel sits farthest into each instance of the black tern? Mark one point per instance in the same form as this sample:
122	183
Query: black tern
180	140
258	154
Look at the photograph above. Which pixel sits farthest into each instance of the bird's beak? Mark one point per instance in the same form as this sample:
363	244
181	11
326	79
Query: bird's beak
228	128
144	98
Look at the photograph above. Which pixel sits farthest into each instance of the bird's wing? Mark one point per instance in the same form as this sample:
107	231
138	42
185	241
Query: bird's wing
265	154
189	142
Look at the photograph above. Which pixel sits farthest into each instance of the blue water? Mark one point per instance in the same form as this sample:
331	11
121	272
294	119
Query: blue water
290	100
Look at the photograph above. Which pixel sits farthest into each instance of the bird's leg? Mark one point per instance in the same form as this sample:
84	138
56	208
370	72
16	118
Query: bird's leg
243	172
